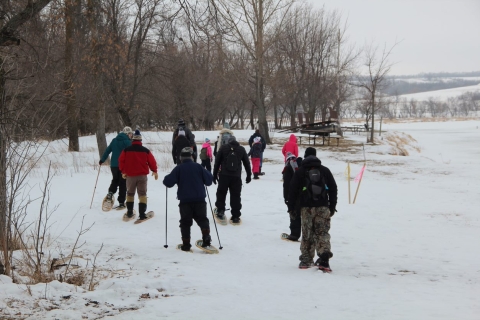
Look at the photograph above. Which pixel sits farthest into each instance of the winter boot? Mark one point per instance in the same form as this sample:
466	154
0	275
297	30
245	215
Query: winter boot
129	209
235	219
220	214
322	262
292	238
186	244
109	196
120	206
260	172
304	265
255	176
142	209
206	238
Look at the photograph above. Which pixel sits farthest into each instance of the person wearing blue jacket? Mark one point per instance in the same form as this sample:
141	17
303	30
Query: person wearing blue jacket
120	142
191	179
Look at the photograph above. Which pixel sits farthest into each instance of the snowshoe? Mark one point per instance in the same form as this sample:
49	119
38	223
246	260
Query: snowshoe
149	215
322	262
119	207
108	202
287	237
220	217
235	221
208	249
179	247
127	218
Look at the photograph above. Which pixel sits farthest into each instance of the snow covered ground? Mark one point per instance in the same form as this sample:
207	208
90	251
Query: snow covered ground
407	249
441	94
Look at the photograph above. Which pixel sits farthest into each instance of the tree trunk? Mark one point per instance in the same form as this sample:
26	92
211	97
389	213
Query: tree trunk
3	173
97	78
259	80
373	118
69	87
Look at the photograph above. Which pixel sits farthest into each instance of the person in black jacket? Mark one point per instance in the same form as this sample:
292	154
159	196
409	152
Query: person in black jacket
180	142
183	127
264	145
230	180
291	166
191	179
316	211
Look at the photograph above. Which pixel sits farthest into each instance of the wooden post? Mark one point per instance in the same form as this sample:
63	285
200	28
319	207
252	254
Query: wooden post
348	177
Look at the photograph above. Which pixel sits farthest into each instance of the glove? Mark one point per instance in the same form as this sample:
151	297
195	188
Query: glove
332	211
155	175
100	162
292	214
249	178
214	180
174	160
124	176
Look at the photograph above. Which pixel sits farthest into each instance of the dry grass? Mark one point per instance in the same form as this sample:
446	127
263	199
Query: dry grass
401	143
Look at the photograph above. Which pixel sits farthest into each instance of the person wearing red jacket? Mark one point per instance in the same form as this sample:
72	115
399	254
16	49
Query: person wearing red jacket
135	162
290	146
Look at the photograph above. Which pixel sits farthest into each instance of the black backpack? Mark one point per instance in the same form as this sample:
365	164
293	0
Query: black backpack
315	184
232	161
203	154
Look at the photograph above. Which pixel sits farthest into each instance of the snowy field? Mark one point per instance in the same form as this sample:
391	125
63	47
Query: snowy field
442	95
407	249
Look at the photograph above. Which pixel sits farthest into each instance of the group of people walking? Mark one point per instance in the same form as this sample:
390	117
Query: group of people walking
309	189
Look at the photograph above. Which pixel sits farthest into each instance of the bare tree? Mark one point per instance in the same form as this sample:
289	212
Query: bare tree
377	66
250	22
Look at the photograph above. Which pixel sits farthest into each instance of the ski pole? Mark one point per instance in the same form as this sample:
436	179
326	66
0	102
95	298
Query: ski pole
214	222
166	212
95	186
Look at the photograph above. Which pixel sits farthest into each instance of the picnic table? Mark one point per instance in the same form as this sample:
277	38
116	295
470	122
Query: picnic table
321	133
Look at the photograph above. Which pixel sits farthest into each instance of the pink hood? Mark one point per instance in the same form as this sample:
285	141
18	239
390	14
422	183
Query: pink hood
209	149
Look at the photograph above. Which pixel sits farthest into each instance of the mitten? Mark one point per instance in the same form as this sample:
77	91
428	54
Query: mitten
100	162
155	175
124	176
249	178
332	211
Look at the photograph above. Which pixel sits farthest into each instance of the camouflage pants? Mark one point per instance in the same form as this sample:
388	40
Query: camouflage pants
315	236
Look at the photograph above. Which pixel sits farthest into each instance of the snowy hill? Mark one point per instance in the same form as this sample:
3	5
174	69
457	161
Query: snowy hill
407	249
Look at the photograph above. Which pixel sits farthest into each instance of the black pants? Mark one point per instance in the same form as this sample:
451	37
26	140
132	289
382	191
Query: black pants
296	224
118	182
234	184
207	165
193	211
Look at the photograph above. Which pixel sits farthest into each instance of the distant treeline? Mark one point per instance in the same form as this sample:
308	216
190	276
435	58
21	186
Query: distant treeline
399	87
433	75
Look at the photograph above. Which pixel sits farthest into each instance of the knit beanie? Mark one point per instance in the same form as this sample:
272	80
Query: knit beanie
186	153
137	135
289	156
256	140
127	130
181	122
310	152
207	140
226	125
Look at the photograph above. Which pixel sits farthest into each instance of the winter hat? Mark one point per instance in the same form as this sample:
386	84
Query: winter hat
256	140
137	135
207	140
231	139
181	122
127	130
226	125
186	153
290	156
181	132
310	152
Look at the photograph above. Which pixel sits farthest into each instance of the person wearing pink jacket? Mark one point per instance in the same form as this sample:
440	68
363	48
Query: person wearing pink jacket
206	155
290	146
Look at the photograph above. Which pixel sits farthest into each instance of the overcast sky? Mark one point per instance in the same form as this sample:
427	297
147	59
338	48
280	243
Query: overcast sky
435	35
